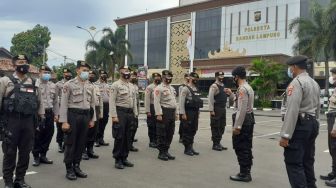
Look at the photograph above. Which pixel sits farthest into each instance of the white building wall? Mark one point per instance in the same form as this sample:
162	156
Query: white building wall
188	2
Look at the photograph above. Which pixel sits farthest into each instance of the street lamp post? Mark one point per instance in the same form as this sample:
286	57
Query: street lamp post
92	28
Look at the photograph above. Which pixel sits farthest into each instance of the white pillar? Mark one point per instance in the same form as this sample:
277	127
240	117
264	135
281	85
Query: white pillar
146	43
193	32
168	44
126	37
223	28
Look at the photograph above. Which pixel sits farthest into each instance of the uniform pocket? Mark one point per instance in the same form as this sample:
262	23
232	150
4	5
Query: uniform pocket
116	132
77	95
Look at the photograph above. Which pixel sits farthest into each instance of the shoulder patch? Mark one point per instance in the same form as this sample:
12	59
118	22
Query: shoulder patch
290	90
157	92
241	94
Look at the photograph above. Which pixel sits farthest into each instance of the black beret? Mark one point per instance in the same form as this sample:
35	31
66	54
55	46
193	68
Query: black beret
82	64
333	70
21	57
66	70
194	75
220	73
92	72
297	60
167	73
102	72
239	71
155	74
45	68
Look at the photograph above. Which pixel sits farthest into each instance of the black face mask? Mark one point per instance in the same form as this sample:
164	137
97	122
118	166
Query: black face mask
23	69
134	80
104	78
126	76
157	81
195	82
235	81
221	80
92	79
67	77
168	81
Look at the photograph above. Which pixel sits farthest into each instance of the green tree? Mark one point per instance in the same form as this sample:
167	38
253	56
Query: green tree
269	75
32	43
59	70
315	36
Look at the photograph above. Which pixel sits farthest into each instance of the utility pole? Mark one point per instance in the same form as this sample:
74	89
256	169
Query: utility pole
65	57
44	54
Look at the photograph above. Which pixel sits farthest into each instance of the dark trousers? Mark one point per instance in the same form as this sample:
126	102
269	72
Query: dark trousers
134	128
242	143
300	154
331	140
43	135
103	123
180	131
122	133
21	139
190	126
59	134
75	138
92	132
151	123
217	124
165	129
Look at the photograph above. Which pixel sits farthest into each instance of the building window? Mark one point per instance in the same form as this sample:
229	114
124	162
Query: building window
208	32
157	43
136	37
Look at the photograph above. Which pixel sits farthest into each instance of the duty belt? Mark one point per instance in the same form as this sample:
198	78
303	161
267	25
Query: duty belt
79	111
48	110
306	116
126	110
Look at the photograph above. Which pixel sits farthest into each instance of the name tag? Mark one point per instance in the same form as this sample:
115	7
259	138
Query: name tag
29	90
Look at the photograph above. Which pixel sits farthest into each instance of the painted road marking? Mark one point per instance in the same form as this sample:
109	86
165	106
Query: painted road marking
28	173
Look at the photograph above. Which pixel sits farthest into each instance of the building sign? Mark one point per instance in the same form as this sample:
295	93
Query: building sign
257	33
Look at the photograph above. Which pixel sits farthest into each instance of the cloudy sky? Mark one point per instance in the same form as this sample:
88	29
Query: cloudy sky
62	17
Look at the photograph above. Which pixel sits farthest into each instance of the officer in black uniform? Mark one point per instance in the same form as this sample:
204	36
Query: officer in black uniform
300	127
20	102
190	103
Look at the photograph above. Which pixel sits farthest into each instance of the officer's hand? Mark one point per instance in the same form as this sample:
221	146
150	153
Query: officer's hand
65	127
149	114
91	124
115	120
333	133
284	142
184	117
212	113
56	119
176	117
283	117
236	131
228	91
159	118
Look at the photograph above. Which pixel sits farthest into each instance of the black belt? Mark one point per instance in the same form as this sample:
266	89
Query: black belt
79	111
169	109
126	110
192	109
307	116
48	110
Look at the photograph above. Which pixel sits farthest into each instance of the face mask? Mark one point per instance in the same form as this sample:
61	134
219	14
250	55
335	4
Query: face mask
168	81
23	69
68	77
221	80
134	80
92	79
84	75
289	73
46	77
195	82
331	80
126	76
104	78
157	81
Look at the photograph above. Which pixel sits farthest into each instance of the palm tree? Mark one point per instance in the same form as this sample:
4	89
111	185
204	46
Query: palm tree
98	55
314	37
331	11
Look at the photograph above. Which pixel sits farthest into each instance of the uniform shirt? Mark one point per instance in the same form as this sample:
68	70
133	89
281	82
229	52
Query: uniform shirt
99	99
123	95
213	91
332	105
79	95
49	95
303	96
104	90
6	86
283	104
137	98
164	96
149	96
185	94
244	100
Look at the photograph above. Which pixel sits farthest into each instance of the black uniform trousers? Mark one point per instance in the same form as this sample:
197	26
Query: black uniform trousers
21	139
59	134
300	154
103	123
190	126
44	134
331	140
165	129
134	127
75	138
218	123
92	132
121	132
242	143
151	123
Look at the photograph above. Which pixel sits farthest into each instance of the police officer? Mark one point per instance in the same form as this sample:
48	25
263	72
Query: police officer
166	113
67	75
77	115
134	127
331	114
45	130
92	132
149	108
20	102
243	124
186	81
300	127
190	103
217	106
105	93
122	110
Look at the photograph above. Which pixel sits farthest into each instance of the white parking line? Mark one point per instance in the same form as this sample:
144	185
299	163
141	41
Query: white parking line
28	173
266	135
326	151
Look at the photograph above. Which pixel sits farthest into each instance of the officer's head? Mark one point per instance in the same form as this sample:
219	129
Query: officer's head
238	73
125	72
193	78
332	78
83	70
92	76
186	77
67	75
156	78
297	65
134	77
219	76
103	75
45	73
167	76
21	64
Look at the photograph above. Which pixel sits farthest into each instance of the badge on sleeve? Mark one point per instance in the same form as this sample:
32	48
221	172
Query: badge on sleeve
290	90
241	94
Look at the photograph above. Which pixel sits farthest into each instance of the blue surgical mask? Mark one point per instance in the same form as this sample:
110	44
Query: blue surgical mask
46	77
84	75
289	73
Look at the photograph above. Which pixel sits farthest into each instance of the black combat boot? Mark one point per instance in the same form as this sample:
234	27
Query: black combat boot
21	184
216	147
243	176
36	161
91	153
60	147
85	156
162	156
134	149
126	163
331	183
45	160
70	173
9	184
223	148
119	164
152	145
329	176
170	157
194	152
187	150
79	173
103	143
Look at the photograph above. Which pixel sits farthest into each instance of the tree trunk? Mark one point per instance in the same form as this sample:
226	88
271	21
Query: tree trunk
326	88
